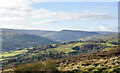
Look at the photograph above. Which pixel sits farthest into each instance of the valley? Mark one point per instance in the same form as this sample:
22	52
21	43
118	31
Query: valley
103	61
59	36
22	49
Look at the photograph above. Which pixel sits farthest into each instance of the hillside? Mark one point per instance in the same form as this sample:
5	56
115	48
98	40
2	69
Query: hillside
12	40
69	35
105	32
62	36
53	51
31	48
31	32
101	62
110	37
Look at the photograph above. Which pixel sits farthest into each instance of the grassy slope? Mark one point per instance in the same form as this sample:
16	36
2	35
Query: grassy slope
101	62
57	48
60	48
64	35
12	40
68	35
110	37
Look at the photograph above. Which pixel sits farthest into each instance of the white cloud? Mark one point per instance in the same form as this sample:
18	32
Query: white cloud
75	0
15	26
100	28
14	7
86	15
10	26
103	28
14	4
11	19
15	12
46	22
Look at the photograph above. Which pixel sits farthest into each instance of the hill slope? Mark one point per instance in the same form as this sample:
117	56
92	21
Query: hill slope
12	40
69	35
110	37
54	51
31	32
62	36
102	62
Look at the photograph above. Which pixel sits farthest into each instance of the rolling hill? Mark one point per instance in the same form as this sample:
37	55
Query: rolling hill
12	40
31	32
110	37
61	36
101	62
53	51
69	35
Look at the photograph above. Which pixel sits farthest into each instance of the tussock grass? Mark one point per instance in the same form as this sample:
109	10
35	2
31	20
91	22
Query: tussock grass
48	65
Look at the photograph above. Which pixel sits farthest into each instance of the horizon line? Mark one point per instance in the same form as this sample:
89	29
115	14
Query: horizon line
56	30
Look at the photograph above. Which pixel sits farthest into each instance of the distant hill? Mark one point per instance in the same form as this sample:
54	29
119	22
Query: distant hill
69	35
62	36
12	40
33	32
110	37
105	32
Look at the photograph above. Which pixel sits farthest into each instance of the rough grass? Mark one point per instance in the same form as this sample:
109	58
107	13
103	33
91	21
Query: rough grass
108	44
60	48
7	54
48	65
108	48
65	48
110	37
102	62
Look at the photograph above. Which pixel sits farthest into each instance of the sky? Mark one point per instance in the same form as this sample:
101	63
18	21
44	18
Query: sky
56	16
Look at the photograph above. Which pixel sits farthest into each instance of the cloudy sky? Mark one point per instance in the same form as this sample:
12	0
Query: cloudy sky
36	15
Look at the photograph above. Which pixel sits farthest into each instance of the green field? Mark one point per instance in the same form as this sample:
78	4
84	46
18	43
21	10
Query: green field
66	48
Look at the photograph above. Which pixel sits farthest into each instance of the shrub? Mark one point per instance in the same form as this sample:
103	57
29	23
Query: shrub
48	65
